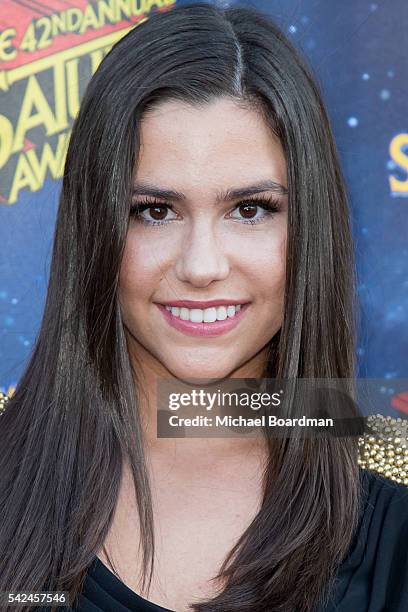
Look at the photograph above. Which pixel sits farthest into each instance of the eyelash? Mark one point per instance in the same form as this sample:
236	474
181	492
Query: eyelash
269	205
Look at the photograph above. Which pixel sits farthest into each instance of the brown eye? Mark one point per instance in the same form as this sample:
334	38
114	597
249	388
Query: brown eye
151	213
247	210
158	213
256	210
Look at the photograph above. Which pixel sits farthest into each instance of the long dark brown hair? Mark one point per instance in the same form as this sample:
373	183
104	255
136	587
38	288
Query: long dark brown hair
73	418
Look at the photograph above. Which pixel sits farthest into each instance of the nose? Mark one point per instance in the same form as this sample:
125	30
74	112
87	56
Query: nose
201	260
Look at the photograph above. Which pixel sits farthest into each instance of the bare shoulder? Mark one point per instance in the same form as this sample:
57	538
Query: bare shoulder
384	448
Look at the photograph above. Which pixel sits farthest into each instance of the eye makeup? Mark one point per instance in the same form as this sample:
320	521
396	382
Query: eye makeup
269	205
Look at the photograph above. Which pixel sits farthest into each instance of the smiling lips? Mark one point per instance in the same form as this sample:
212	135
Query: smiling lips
207	315
210	318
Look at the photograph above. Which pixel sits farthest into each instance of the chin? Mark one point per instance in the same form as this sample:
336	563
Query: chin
190	375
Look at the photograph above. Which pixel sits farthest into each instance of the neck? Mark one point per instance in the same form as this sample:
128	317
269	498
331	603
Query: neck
191	449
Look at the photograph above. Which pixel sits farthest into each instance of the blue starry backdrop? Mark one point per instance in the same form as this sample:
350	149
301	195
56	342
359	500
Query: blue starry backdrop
359	53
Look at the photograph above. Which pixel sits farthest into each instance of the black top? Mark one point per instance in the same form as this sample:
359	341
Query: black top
372	578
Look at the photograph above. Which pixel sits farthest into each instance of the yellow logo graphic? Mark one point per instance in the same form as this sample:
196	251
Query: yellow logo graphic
42	97
399	155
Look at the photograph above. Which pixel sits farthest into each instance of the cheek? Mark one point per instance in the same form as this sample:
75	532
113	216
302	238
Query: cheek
137	281
139	269
264	266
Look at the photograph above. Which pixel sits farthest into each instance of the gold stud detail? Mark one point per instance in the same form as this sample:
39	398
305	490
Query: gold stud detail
385	448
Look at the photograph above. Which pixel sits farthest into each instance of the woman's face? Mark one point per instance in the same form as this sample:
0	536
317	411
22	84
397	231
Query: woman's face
211	244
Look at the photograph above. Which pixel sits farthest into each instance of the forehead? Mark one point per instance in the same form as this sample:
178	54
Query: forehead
217	143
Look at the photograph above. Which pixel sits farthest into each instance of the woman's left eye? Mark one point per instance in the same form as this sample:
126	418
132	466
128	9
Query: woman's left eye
248	210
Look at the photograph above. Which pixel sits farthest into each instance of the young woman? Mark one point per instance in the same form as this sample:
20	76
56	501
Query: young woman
201	182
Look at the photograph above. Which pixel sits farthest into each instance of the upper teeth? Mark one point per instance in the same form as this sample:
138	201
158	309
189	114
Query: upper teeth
209	315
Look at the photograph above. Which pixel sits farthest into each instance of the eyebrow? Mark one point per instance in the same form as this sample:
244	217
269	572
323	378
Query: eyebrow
147	189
